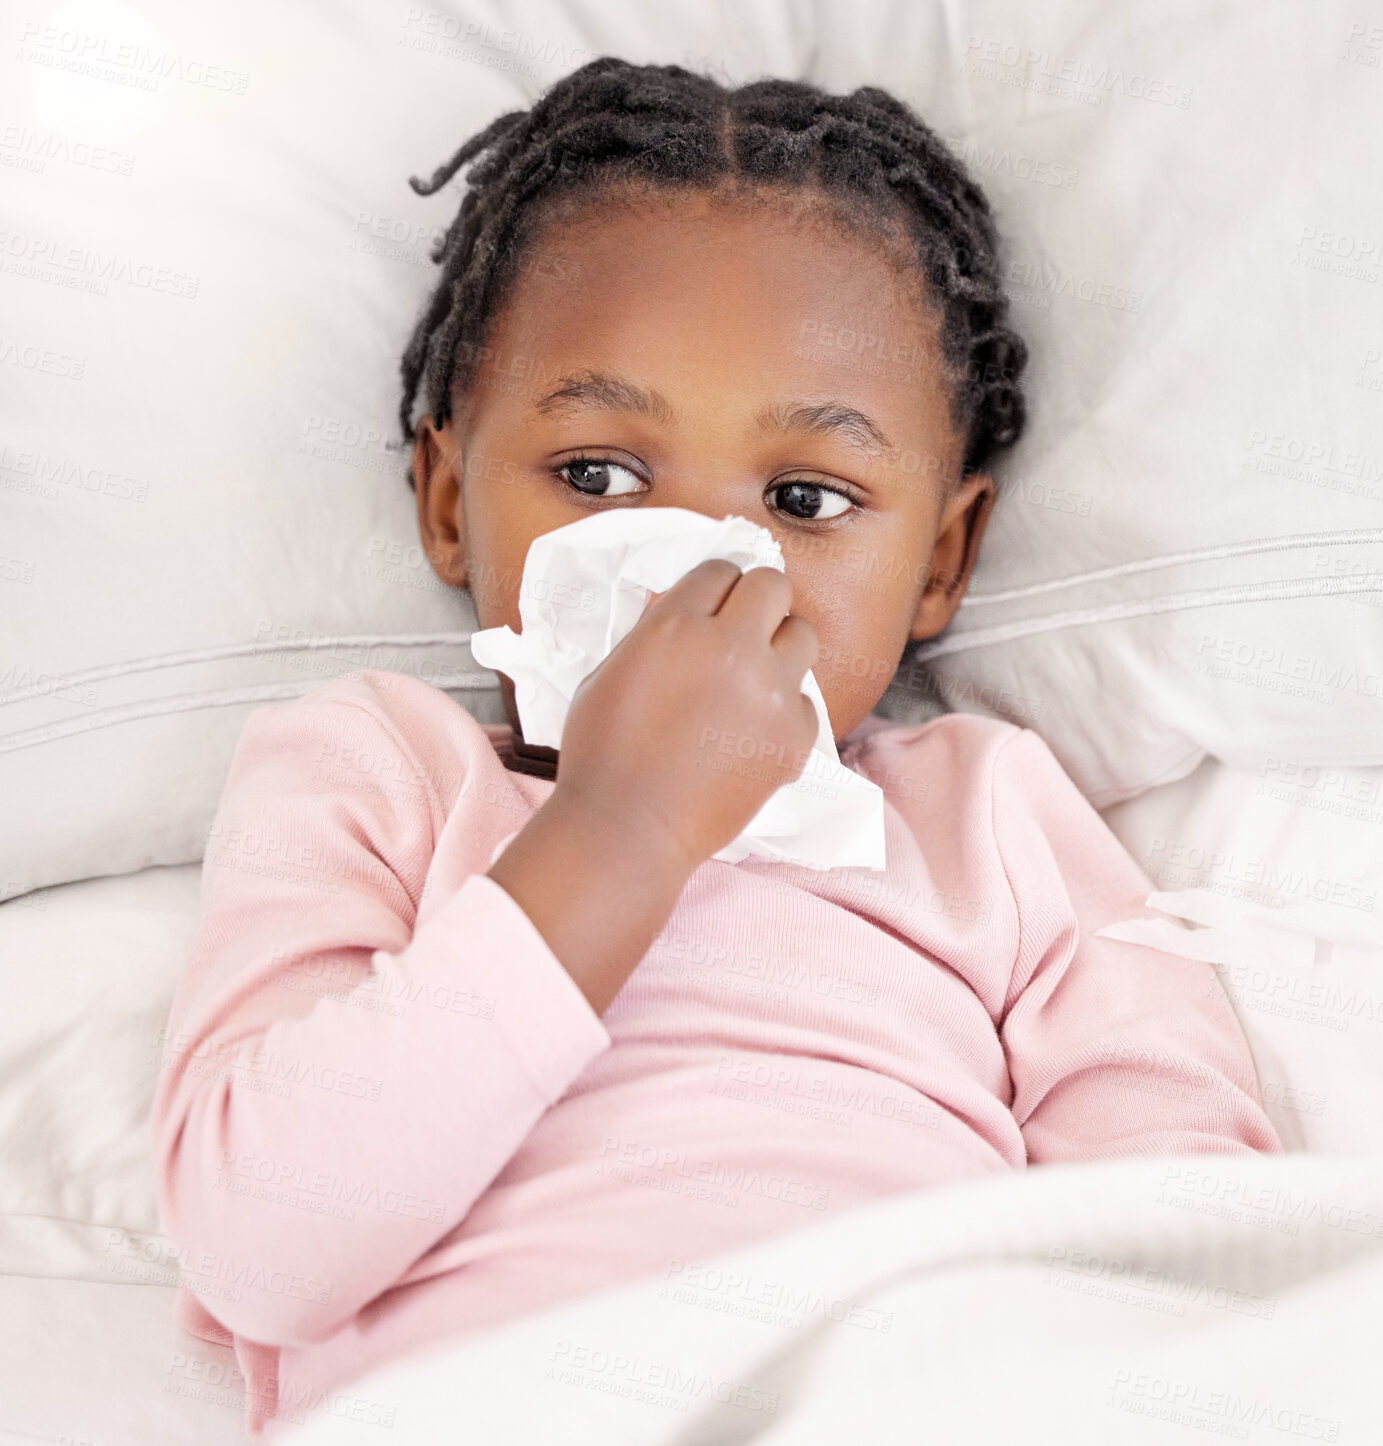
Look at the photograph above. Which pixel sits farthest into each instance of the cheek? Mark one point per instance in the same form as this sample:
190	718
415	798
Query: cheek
847	630
855	661
861	614
495	552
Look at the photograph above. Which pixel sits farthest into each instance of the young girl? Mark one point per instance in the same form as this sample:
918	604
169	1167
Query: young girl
467	1029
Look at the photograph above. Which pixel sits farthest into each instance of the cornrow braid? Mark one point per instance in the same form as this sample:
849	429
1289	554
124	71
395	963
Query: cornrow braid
661	125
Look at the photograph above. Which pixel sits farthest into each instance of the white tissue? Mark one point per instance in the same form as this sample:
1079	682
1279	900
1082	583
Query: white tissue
1239	932
584	587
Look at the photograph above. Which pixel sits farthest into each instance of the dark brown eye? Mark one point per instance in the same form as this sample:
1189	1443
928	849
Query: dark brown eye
809	500
597	478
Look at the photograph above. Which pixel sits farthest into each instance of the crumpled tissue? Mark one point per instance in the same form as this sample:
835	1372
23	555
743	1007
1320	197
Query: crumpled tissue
584	587
1247	934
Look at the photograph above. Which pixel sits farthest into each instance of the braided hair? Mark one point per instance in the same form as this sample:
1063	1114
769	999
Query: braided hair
662	126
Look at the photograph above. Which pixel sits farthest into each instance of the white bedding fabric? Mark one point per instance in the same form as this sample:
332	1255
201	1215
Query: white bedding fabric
87	973
1062	1305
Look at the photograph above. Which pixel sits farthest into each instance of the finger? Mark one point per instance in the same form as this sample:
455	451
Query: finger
810	720
797	644
810	729
702	589
758	602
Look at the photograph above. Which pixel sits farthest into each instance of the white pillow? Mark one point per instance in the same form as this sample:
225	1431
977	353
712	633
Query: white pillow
1188	556
212	262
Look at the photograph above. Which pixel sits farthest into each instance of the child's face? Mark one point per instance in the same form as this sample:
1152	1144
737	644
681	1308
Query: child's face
706	355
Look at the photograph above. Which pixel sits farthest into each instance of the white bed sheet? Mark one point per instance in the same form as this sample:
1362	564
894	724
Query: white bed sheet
104	1363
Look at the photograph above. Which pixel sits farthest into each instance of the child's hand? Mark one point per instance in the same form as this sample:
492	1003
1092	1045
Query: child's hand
696	717
652	775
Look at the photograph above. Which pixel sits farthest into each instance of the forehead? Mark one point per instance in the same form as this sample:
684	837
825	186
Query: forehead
728	298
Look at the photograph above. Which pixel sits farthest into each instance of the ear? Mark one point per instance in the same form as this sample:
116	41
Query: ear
441	513
959	531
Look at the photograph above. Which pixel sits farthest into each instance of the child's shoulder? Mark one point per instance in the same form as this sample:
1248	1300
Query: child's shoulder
956	737
964	751
381	722
408	703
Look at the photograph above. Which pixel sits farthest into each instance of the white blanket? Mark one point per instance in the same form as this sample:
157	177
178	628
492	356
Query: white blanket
1139	1301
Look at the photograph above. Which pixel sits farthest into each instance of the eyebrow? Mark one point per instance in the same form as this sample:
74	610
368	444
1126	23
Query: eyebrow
828	419
601	391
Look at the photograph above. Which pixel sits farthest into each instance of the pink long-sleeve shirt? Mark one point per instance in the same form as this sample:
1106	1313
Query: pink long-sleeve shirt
387	1115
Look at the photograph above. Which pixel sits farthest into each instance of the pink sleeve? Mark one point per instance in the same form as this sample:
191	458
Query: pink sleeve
337	1089
1114	1049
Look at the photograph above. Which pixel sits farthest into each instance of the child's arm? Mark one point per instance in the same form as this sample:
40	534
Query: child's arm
1114	1049
338	1089
311	1148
